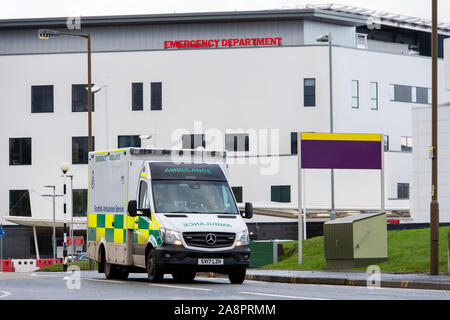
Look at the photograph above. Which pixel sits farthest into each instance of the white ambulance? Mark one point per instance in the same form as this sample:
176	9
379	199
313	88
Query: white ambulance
165	211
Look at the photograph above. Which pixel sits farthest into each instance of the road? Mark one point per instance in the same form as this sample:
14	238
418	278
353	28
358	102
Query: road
93	286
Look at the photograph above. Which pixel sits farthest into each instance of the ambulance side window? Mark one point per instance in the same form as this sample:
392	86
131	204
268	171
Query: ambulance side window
144	202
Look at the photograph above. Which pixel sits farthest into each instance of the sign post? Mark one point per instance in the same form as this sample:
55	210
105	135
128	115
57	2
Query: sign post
2	235
338	151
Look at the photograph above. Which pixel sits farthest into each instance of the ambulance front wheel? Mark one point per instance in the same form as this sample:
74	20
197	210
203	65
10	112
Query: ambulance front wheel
237	277
154	272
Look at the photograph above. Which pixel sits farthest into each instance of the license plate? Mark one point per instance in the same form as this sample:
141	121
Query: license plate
210	261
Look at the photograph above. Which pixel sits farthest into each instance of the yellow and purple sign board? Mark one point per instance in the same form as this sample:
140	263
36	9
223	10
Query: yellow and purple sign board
341	151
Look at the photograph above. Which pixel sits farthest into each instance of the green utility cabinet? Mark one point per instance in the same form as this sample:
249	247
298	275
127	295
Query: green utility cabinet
263	253
355	241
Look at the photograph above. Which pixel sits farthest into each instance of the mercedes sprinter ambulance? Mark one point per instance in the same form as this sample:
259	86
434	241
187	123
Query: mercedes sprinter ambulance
165	211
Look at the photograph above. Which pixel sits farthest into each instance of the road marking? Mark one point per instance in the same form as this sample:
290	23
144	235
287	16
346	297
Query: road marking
179	287
4	294
104	280
283	296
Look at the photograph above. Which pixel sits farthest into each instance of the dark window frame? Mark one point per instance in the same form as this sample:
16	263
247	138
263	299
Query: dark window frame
137	96
192	142
82	153
236	144
403	191
131	143
79	210
81	104
238	193
280	194
309	98
14	203
46	103
156	96
23	160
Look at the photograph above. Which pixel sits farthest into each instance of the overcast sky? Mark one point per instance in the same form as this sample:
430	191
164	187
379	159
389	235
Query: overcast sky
10	9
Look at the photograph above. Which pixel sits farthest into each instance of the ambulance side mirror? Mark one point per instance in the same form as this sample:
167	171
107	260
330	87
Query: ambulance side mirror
132	208
248	210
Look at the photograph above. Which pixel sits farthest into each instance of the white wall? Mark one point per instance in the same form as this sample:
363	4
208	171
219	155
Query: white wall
225	89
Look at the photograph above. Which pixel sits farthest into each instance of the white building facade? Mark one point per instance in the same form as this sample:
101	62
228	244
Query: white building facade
250	98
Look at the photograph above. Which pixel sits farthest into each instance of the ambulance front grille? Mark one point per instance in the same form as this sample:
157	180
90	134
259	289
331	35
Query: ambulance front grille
204	239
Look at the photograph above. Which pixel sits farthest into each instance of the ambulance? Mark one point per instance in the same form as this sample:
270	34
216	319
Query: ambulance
162	211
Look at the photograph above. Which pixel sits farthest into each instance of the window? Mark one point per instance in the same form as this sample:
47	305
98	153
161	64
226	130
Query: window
156	95
129	142
280	194
355	94
137	96
19	203
402	190
19	151
294	143
237	191
80	98
79	205
407	144
410	94
193	141
41	99
430	96
309	92
386	142
374	95
144	202
80	149
237	142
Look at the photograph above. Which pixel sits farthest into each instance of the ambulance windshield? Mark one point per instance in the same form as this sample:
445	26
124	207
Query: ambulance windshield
185	196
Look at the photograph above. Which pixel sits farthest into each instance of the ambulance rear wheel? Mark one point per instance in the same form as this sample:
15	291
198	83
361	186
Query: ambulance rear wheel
110	271
154	272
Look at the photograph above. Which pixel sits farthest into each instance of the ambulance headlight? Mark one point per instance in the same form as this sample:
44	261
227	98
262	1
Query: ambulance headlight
170	236
243	239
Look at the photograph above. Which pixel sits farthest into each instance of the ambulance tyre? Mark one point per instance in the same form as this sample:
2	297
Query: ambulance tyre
154	272
110	271
184	276
122	274
237	277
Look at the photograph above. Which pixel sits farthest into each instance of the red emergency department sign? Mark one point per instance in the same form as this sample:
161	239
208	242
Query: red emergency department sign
77	241
223	43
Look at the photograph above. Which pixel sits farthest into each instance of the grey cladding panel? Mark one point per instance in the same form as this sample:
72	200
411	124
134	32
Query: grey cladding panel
147	37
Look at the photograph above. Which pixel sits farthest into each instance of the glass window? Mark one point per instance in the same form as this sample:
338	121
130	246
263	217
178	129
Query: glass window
386	142
41	99
79	205
355	94
403	190
193	197
414	94
237	191
144	202
422	95
392	92
129	142
156	95
19	203
407	144
294	143
237	142
309	92
80	149
19	151
193	141
137	94
80	98
430	96
374	95
280	194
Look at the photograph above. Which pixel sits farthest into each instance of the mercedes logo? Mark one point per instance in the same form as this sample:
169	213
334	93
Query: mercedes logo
210	239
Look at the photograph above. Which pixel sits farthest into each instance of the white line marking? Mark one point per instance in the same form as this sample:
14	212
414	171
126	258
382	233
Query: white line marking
5	294
283	296
105	280
179	287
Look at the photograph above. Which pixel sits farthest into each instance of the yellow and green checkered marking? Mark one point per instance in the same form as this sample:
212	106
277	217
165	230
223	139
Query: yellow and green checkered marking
113	228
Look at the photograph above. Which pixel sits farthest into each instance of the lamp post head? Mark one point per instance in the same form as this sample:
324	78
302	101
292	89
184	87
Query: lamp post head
324	38
46	33
64	167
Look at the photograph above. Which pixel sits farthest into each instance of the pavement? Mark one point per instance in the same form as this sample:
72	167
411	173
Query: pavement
382	280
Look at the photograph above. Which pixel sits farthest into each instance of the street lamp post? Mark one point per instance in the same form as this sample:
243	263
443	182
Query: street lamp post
434	206
54	222
328	38
71	203
46	34
64	168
